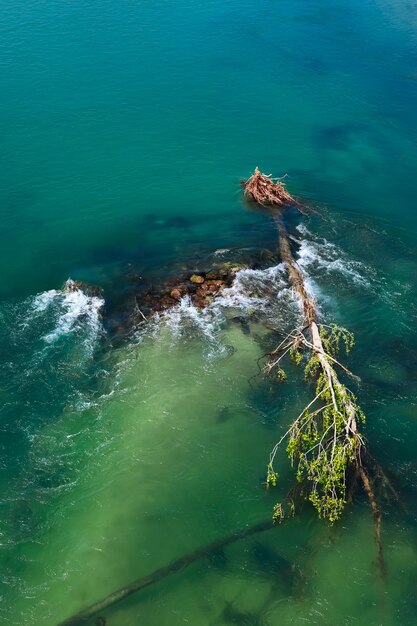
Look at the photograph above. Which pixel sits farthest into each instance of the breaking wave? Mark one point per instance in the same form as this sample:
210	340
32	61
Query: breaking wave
255	295
48	342
69	311
264	295
318	255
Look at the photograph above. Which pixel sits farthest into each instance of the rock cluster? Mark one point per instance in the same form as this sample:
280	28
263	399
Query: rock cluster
92	291
201	279
200	287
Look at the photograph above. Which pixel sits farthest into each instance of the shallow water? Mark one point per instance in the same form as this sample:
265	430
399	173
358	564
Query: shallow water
126	128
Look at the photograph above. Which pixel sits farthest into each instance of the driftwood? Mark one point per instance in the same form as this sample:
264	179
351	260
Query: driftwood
324	442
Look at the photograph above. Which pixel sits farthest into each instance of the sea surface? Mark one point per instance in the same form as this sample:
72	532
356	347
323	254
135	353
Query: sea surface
125	129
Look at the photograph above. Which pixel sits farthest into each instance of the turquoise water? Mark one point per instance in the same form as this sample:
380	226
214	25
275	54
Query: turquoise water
126	128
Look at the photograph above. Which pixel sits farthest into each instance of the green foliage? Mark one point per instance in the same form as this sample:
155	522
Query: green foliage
291	508
333	335
312	368
279	375
325	450
278	514
296	355
271	477
319	444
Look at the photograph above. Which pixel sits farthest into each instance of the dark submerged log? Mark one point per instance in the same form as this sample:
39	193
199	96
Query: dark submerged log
179	564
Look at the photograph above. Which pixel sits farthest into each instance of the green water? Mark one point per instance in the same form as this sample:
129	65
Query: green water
125	130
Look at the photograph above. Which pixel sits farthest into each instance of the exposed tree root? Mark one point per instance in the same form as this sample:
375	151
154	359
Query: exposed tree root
324	441
266	190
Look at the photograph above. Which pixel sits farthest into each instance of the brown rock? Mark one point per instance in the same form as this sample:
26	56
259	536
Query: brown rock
231	269
195	278
176	294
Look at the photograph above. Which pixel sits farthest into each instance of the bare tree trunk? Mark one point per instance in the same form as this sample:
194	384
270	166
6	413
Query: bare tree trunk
310	315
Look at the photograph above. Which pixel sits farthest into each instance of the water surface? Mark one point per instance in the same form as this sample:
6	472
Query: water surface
125	130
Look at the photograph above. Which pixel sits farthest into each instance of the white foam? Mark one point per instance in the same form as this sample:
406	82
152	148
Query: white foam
78	309
186	319
42	300
69	311
253	288
319	254
264	292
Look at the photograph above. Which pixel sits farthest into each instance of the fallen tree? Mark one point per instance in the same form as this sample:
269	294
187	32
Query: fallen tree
323	442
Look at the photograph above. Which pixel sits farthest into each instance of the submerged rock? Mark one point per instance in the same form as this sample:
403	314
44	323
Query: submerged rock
71	286
243	323
176	294
231	268
201	282
195	278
